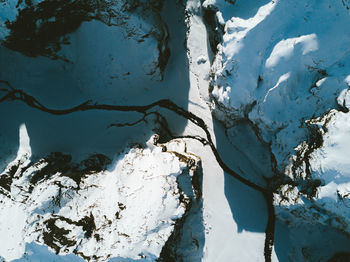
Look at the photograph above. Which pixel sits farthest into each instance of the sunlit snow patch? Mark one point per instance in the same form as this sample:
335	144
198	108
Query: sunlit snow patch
126	211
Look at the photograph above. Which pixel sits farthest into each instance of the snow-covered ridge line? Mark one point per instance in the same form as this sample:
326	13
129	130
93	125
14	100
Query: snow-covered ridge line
96	210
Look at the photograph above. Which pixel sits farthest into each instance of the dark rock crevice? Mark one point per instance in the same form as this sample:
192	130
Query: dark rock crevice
172	250
58	162
214	28
57	238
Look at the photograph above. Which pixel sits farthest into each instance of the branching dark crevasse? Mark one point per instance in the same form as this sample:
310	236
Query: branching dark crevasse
12	94
16	94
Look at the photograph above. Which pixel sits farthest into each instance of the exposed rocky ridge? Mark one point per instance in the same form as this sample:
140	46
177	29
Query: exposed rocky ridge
186	241
319	171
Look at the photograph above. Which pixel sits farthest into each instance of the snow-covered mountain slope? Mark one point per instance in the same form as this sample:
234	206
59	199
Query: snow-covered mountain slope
96	209
248	100
283	64
320	169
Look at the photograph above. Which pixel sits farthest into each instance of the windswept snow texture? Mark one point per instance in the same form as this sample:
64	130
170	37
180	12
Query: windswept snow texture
280	65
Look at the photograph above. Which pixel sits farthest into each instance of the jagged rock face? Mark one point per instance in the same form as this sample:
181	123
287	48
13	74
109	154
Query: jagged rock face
326	162
41	28
95	209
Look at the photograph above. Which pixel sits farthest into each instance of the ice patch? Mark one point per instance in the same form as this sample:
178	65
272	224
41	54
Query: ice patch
282	79
24	143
